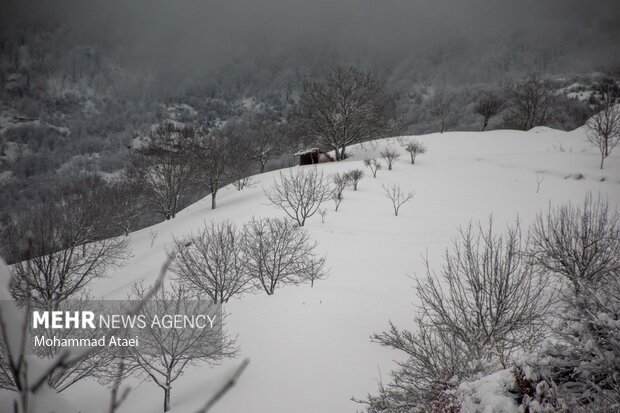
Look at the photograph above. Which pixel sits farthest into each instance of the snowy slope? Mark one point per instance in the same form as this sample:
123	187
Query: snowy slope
309	347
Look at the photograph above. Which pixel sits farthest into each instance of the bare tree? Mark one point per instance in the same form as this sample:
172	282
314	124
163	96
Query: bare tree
397	196
164	167
212	160
127	201
578	243
279	252
300	194
390	155
603	129
530	102
90	365
415	148
354	176
436	362
442	108
64	254
349	107
240	173
583	360
485	303
264	139
488	105
164	352
31	384
487	294
374	166
211	262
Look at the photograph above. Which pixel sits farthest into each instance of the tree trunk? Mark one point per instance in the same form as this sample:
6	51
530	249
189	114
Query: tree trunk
337	152
213	205
602	160
486	122
167	398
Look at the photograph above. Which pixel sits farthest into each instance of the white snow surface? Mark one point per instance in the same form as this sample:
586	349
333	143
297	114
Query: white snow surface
309	348
488	394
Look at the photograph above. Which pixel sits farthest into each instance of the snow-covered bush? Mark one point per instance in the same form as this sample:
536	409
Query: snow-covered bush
484	304
580	366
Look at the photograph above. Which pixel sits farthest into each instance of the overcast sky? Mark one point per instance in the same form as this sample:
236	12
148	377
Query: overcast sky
203	32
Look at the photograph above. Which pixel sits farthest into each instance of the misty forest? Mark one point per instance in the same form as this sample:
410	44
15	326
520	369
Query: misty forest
398	206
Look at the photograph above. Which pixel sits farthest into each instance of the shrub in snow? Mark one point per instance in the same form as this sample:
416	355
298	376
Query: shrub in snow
415	148
580	244
488	105
354	177
374	166
397	196
390	155
484	304
580	369
341	180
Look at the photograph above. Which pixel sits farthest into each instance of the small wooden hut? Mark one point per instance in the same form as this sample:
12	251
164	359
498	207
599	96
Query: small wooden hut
312	156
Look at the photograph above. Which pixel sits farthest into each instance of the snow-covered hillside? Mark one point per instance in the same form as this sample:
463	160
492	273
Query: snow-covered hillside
309	348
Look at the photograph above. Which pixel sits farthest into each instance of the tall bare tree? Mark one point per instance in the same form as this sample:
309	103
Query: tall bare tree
164	166
300	194
603	129
213	160
126	200
264	139
442	108
529	103
348	107
278	252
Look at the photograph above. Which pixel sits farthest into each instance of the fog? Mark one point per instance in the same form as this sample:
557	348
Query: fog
192	36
